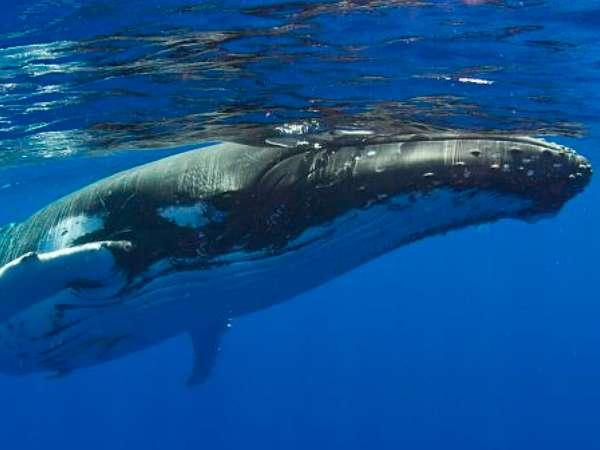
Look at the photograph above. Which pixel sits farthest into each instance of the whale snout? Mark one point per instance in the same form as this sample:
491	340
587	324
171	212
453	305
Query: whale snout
550	174
580	172
544	174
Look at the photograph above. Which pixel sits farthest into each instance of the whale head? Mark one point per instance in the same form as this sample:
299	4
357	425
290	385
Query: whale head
544	174
432	183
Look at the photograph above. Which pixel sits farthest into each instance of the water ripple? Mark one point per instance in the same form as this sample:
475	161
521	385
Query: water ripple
78	77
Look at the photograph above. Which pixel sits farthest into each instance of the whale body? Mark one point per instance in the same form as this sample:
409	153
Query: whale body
186	243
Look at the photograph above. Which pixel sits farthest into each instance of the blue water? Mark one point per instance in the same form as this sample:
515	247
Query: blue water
486	338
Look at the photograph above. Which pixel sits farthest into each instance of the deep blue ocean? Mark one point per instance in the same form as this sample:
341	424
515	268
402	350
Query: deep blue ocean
483	338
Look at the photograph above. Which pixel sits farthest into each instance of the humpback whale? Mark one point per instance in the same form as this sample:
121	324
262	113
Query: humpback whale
184	244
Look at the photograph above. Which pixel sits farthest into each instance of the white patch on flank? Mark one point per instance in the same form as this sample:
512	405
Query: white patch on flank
68	230
193	216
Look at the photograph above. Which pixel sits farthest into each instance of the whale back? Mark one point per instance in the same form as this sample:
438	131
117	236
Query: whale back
143	204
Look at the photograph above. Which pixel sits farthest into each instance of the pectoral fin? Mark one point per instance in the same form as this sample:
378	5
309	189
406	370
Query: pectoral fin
206	341
34	277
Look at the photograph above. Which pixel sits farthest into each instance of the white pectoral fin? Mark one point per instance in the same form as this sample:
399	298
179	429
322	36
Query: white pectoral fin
34	277
206	341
